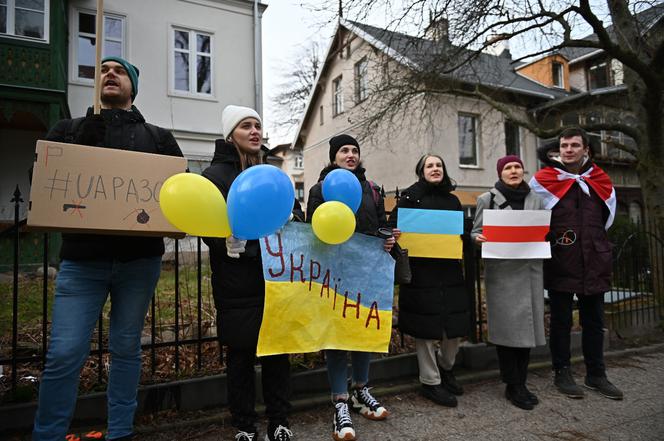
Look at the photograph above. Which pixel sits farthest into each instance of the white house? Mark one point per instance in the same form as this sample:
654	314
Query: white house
194	56
467	132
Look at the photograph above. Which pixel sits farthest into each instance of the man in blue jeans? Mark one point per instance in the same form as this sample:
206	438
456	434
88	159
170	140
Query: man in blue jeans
94	266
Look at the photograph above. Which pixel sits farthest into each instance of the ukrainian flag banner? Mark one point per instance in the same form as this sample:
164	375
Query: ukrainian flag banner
431	233
320	296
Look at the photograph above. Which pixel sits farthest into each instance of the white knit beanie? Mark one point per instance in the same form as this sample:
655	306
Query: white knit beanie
232	115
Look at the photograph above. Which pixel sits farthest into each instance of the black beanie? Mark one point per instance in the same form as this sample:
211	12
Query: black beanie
336	142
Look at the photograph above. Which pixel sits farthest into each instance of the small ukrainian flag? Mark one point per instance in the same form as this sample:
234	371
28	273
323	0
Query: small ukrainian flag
431	233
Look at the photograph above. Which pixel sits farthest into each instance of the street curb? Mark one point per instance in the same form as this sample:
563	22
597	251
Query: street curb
223	417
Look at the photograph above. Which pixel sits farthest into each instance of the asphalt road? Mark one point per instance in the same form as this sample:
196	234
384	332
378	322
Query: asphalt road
484	414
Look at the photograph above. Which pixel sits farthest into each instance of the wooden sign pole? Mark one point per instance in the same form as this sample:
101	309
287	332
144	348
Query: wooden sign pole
99	42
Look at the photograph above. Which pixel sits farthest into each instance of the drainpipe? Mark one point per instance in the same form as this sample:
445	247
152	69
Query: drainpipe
258	66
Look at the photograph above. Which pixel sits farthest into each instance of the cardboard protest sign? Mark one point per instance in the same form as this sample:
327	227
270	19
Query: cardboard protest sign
431	233
320	296
101	190
516	234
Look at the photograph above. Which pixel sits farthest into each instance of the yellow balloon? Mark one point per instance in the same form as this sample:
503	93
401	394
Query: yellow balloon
193	204
333	222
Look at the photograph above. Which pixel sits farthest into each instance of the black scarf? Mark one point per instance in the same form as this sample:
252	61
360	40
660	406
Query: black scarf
515	197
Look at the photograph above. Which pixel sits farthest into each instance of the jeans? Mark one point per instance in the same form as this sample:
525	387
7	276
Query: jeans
337	370
591	315
275	376
81	291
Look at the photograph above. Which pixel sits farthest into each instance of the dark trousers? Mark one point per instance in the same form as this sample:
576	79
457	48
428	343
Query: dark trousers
275	374
513	364
591	315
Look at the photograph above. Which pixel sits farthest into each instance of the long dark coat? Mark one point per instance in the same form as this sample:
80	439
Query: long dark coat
436	300
581	258
369	216
238	286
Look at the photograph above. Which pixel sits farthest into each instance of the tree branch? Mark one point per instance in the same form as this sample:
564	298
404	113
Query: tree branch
627	57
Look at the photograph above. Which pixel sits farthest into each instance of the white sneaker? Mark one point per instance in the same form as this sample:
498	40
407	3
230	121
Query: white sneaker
342	424
246	436
363	402
281	433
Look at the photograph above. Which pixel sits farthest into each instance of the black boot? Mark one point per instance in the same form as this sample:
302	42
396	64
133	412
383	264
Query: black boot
603	386
531	396
439	395
449	382
516	394
565	383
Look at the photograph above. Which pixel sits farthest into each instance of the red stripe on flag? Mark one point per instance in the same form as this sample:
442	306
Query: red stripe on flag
495	233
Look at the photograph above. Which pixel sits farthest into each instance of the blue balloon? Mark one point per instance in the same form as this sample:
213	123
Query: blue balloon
343	186
260	202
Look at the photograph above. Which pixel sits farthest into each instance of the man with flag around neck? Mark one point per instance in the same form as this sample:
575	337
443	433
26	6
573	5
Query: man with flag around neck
583	203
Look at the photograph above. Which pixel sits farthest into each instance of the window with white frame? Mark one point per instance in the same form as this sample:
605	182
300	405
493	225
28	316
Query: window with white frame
114	33
557	74
361	81
192	62
299	161
24	18
337	97
468	138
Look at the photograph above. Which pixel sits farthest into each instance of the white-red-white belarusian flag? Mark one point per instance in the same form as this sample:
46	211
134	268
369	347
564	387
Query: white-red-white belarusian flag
552	183
516	234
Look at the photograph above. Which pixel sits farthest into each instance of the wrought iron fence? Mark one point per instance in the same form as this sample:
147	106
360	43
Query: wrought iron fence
180	333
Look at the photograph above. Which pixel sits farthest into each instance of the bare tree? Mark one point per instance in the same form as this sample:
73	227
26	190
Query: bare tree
297	80
533	28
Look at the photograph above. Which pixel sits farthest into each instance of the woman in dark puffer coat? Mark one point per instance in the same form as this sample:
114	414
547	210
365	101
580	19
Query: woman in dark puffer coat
434	306
238	288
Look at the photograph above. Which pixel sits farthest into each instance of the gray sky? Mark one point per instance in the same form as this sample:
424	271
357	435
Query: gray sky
287	27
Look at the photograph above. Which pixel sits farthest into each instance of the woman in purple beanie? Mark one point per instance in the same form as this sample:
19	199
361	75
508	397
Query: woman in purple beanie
514	287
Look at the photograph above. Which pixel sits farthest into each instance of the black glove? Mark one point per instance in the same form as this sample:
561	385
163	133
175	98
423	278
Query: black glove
92	131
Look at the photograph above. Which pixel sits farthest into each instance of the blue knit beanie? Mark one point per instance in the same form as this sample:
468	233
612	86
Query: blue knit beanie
132	71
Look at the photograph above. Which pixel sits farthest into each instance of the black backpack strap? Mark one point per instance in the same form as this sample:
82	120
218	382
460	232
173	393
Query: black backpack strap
374	191
72	128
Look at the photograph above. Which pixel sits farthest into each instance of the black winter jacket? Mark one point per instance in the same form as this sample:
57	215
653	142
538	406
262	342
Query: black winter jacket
436	300
125	130
238	286
371	214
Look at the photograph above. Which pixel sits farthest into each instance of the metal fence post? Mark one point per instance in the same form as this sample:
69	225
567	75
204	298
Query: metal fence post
17	237
177	306
45	301
470	274
199	298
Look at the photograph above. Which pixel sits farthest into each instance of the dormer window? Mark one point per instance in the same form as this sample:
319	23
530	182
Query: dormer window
557	72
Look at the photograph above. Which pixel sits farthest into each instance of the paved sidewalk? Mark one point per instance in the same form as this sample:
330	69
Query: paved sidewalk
484	414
